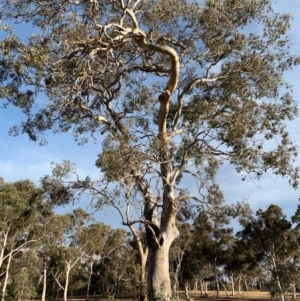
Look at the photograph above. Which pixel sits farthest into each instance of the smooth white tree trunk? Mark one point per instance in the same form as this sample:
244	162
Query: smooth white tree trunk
196	285
159	239
232	286
89	281
206	287
143	292
44	284
294	295
217	279
187	290
6	277
201	287
159	284
67	282
225	289
246	284
240	280
178	262
278	280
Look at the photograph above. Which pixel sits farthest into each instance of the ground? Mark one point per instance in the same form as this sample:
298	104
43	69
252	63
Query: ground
195	296
250	295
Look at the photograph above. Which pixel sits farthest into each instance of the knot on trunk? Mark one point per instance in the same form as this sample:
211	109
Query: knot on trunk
173	205
164	97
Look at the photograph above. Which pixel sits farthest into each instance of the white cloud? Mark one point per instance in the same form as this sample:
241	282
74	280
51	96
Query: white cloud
12	171
269	190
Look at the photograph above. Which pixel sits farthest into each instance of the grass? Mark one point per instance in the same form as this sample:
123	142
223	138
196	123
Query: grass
250	295
244	296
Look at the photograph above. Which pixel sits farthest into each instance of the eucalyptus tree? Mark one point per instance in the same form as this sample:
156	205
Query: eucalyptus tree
215	240
270	241
66	248
94	237
118	256
177	252
100	241
128	206
121	271
24	276
22	217
175	87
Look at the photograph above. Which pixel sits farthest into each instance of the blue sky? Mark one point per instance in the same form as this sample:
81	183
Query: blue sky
22	159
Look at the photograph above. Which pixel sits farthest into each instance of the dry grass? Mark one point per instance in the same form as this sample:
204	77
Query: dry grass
195	296
244	296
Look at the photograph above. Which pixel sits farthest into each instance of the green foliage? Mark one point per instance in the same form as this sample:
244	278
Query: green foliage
269	240
24	277
119	160
22	207
23	217
106	68
230	112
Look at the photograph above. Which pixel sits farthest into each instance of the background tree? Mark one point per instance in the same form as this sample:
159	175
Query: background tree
22	215
237	264
177	253
67	249
24	277
214	240
269	240
94	237
112	243
176	88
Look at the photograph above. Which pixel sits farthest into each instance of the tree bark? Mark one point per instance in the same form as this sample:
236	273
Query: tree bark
89	281
143	253
44	283
142	294
6	277
159	284
160	235
201	288
67	282
175	277
232	286
187	290
240	279
294	294
206	289
201	282
277	279
217	279
159	241
195	288
246	284
4	243
225	289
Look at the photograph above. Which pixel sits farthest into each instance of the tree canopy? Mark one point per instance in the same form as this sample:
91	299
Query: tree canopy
175	89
